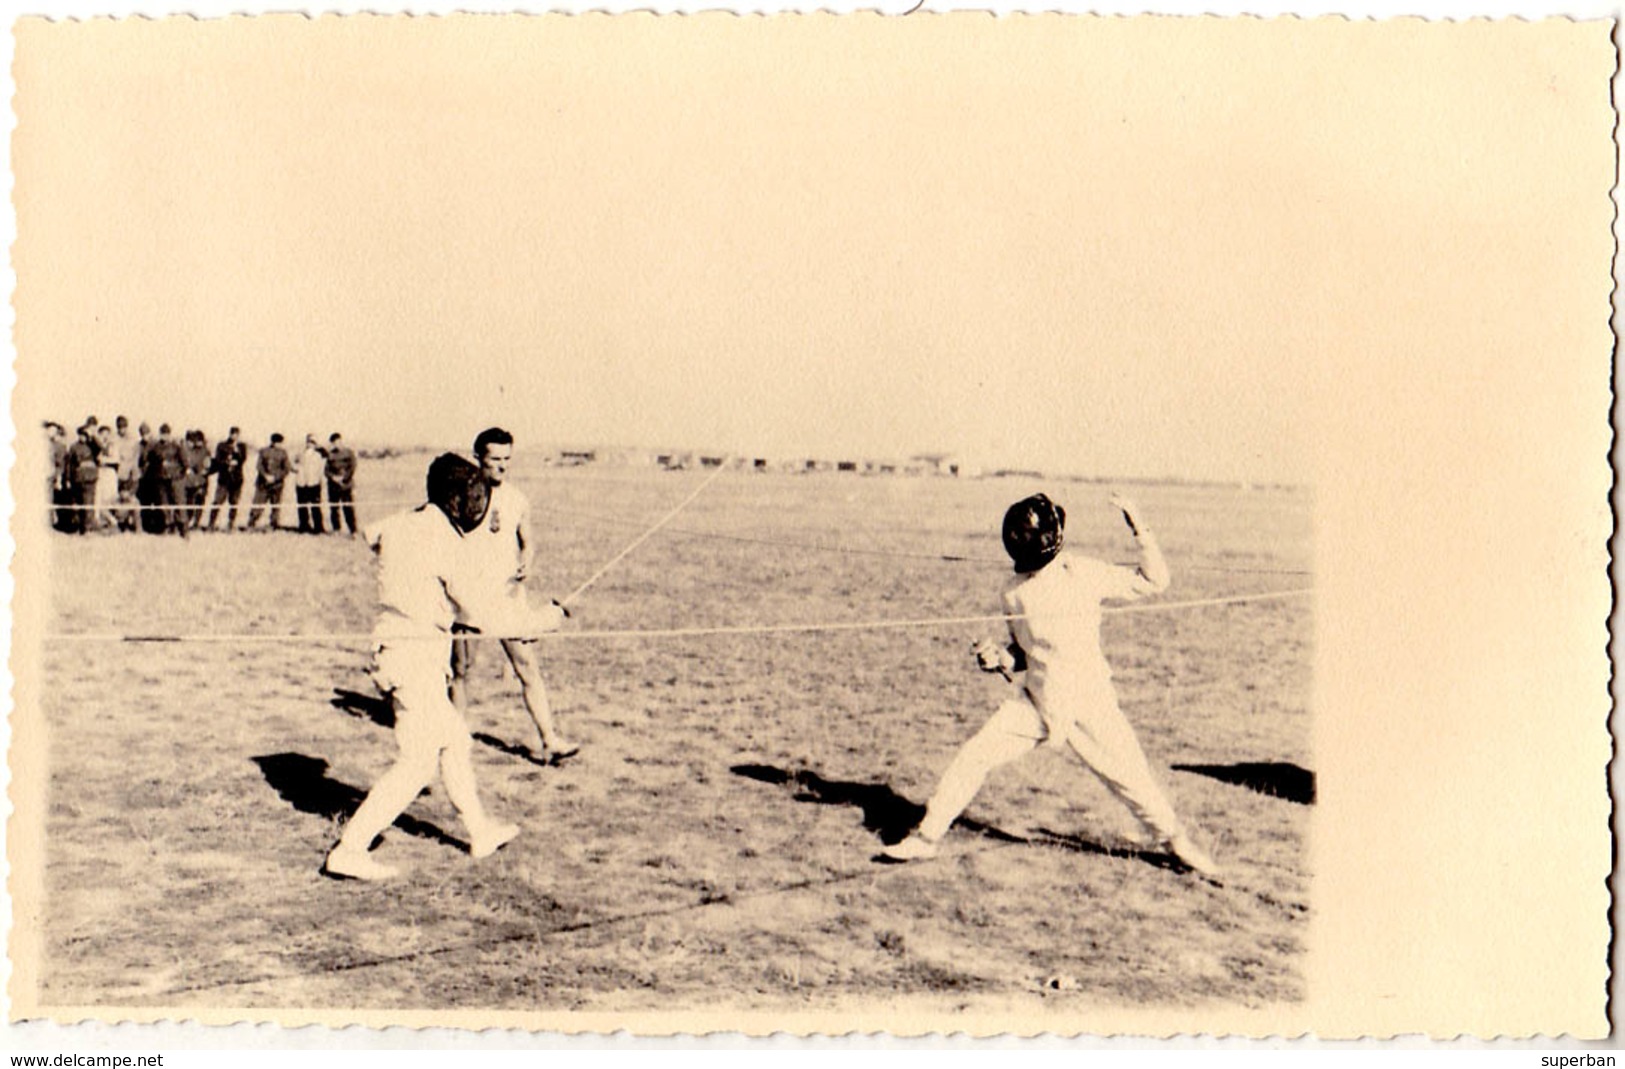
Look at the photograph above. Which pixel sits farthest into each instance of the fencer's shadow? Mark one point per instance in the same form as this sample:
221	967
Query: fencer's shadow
1278	779
512	749
302	781
885	812
381	711
892	816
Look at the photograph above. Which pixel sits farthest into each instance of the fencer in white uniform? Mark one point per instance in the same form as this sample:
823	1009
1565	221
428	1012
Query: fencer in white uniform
427	578
1065	694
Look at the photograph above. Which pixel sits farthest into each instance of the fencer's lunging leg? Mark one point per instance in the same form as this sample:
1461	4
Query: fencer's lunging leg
1104	740
457	769
388	799
485	835
1013	730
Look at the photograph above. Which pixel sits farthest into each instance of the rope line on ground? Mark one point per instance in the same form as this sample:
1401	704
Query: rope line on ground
533	935
661	633
736	898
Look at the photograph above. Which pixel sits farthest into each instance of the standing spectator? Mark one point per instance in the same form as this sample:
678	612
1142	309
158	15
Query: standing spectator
166	473
341	482
229	458
81	472
57	441
106	480
146	487
195	452
271	472
307	486
127	448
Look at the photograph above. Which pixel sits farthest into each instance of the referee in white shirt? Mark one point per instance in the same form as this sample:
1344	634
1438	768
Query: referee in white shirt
505	549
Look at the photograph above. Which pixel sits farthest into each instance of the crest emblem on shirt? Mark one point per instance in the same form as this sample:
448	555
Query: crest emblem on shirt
496	522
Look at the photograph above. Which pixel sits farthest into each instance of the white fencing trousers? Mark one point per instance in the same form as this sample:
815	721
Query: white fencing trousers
1095	729
432	737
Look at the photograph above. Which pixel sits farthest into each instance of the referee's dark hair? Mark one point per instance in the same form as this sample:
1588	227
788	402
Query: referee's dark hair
489	437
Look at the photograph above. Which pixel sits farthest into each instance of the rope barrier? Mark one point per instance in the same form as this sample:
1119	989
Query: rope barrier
662	633
825	547
243	501
640	539
606	519
953	558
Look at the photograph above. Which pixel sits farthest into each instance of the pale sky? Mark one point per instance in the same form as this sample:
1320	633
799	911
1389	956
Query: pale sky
1081	249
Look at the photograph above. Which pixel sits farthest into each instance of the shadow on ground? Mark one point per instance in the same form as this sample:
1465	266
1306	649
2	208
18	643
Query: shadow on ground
381	711
1279	779
512	749
302	781
884	811
892	816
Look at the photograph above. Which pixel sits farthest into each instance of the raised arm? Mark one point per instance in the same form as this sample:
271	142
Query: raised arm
1152	576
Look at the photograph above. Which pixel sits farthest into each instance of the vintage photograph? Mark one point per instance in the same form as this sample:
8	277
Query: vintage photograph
775	523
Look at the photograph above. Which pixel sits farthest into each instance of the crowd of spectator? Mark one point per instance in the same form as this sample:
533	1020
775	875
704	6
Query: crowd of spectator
109	480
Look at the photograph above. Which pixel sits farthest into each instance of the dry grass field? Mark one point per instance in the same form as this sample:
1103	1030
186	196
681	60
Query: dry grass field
713	845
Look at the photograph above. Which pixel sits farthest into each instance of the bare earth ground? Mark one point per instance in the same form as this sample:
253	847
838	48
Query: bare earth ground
712	847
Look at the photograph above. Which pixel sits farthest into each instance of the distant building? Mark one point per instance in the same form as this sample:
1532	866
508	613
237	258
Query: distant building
946	464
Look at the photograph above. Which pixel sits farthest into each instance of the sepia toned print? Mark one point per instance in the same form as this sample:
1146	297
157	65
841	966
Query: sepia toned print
751	335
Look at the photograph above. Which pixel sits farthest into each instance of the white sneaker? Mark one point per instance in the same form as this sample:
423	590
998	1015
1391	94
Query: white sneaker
1193	857
356	865
914	848
490	839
